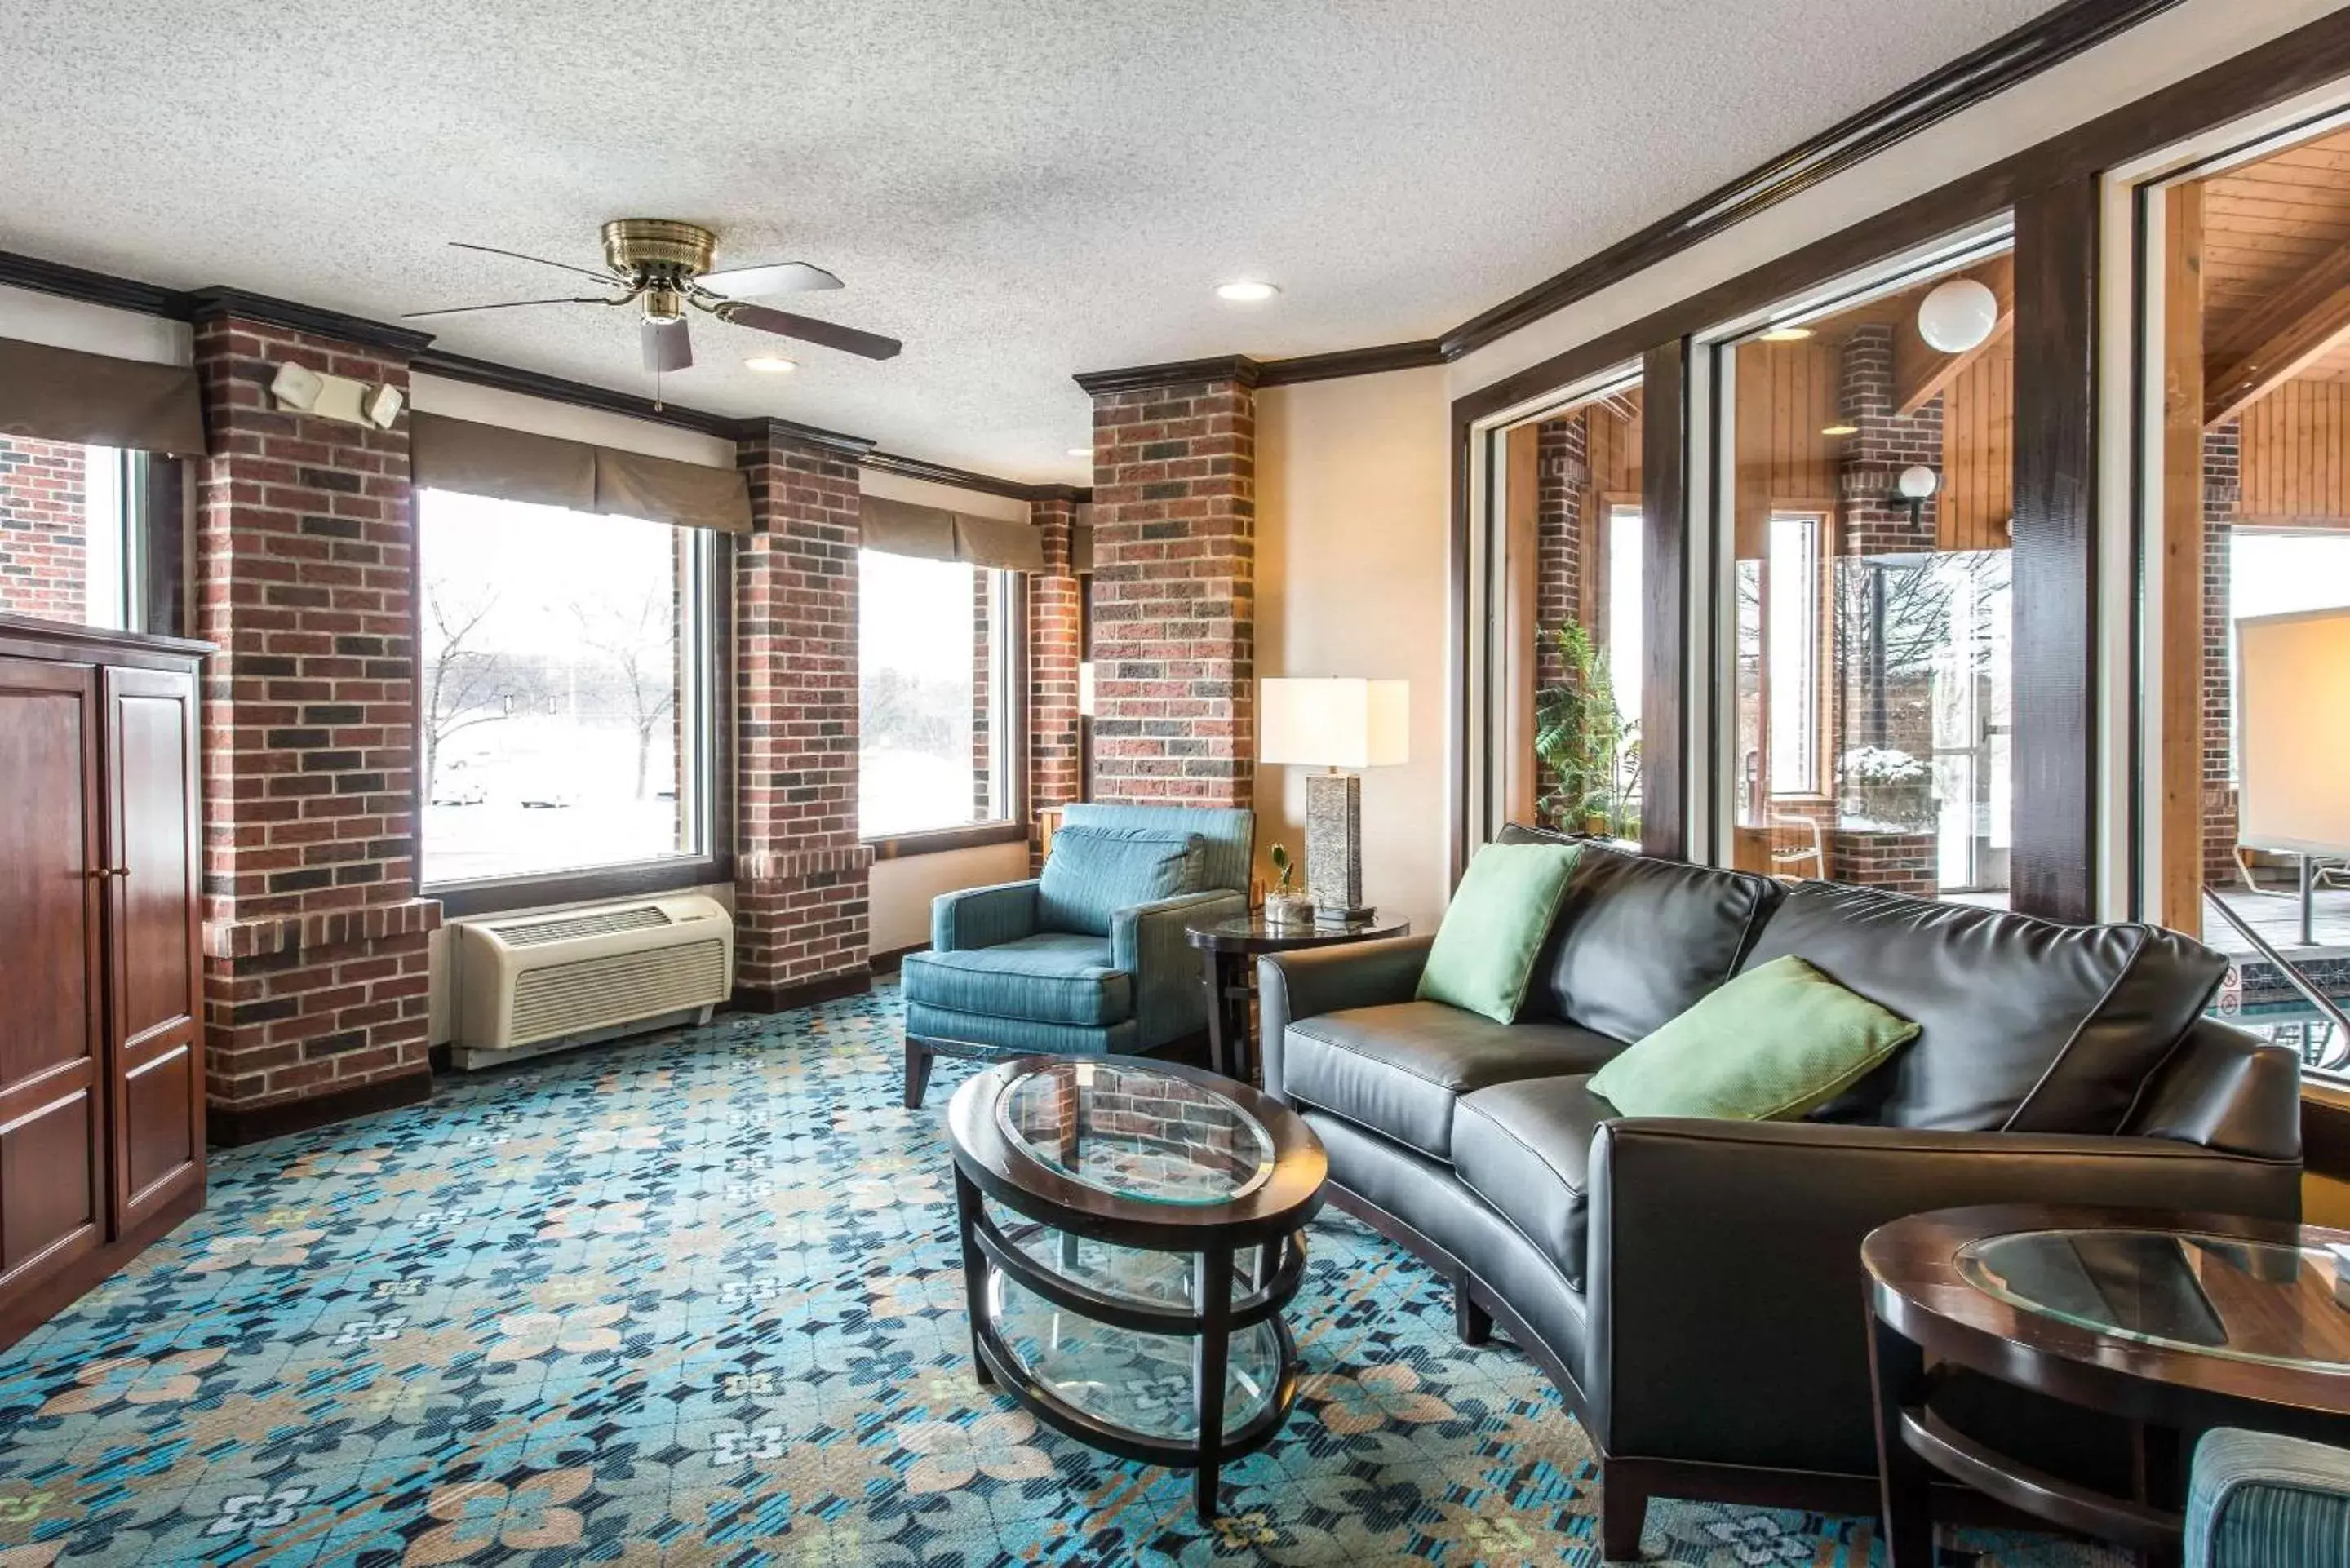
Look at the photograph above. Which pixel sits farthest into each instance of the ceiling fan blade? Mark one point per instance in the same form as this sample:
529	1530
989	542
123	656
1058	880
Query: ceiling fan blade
668	345
759	282
511	304
600	276
826	334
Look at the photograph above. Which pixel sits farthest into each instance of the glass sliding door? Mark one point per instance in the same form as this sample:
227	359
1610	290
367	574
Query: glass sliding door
1867	483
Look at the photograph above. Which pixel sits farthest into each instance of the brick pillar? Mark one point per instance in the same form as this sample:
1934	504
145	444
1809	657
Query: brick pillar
2222	499
44	529
1884	443
1562	481
1053	654
801	924
1175	585
315	980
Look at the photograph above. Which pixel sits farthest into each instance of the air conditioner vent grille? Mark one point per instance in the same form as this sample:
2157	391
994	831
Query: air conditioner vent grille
595	923
595	992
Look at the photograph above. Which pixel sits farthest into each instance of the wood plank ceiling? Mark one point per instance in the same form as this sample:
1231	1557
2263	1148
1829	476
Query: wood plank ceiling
2269	227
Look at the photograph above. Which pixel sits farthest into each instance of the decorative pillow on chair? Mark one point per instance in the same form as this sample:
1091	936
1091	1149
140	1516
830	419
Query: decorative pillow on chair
1484	951
1094	872
1767	1046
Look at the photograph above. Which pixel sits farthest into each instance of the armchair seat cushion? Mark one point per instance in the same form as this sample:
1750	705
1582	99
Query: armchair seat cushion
1057	977
1525	1149
1400	1069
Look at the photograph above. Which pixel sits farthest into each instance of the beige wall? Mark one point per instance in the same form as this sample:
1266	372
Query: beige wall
903	889
1352	548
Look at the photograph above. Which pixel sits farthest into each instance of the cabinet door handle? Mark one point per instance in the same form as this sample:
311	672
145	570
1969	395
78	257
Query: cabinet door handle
105	871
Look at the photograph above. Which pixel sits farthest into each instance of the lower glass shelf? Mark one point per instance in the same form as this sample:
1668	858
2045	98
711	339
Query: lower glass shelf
1138	1382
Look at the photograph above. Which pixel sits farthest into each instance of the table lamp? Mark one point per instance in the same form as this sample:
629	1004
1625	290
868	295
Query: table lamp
1336	724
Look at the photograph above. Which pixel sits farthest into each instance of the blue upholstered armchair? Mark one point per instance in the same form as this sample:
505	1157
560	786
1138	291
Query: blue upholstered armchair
2256	1500
1089	959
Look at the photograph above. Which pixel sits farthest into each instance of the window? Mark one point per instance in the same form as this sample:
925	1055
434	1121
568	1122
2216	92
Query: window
91	534
564	697
1625	597
932	687
1793	619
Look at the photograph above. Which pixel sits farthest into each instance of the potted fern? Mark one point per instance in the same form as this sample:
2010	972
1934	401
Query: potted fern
1590	751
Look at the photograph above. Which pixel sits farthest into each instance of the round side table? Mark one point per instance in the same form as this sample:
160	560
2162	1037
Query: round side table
1229	948
2175	1323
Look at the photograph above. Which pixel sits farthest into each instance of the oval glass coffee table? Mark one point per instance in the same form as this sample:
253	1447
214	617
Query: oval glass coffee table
1131	1230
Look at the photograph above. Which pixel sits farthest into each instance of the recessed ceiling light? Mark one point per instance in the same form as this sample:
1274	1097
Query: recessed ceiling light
1786	334
1246	293
773	364
1081	451
1839	429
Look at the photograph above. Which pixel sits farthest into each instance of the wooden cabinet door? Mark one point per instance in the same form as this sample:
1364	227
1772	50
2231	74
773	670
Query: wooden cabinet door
155	1044
52	1003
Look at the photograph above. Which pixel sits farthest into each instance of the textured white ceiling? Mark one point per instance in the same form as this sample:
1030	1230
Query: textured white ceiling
1019	189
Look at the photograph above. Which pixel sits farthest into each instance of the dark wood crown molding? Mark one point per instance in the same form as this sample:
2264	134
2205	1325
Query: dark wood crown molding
79	283
791	432
1414	356
1080	494
1237	368
218	301
578	394
964	479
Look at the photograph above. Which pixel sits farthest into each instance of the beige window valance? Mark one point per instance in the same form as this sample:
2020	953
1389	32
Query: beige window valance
517	465
66	395
935	533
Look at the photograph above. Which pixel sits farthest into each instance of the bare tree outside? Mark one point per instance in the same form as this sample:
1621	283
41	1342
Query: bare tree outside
634	637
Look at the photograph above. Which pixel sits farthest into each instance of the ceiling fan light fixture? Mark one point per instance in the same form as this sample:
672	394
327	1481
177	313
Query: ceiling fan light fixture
1245	291
771	364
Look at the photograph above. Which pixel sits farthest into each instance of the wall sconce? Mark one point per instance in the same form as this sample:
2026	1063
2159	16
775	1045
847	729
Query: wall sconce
1915	483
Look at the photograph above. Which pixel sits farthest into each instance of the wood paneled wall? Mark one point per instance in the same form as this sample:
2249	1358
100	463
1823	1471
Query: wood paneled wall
2296	456
1978	452
1615	451
1786	395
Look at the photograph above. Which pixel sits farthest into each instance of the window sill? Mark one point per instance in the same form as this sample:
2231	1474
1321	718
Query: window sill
941	841
502	895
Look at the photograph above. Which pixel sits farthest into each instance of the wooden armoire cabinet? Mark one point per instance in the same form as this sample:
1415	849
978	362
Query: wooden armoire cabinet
101	1023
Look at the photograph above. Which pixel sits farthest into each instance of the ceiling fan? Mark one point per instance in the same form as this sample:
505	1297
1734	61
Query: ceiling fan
665	266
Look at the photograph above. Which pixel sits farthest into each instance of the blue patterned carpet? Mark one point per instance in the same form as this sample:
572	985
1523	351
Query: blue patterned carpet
696	1301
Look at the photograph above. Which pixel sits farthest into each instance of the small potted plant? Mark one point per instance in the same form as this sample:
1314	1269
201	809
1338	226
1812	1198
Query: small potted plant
1285	905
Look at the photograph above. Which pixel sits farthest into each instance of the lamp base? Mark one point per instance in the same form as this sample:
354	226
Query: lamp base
1334	847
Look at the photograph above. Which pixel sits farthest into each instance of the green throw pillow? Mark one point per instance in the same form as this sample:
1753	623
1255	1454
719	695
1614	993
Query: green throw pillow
1484	951
1777	1042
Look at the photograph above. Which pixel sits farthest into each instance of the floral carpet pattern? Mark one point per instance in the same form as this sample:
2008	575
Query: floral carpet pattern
696	1300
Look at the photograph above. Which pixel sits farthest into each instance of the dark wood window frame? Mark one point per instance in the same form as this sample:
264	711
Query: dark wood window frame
631	880
2051	188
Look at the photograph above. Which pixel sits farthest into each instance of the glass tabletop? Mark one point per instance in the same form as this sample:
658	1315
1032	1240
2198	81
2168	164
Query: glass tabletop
2213	1295
1136	1133
1254	924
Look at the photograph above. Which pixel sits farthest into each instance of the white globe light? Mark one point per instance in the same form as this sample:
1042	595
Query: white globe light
1917	483
1958	315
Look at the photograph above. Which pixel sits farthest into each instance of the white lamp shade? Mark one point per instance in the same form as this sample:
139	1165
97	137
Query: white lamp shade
1337	724
1918	482
1957	315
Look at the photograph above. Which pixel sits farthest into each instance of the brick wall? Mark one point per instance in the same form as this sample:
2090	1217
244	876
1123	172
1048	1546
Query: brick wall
2223	495
43	553
314	969
1902	862
983	718
1174	607
802	921
1562	485
1884	444
1055	626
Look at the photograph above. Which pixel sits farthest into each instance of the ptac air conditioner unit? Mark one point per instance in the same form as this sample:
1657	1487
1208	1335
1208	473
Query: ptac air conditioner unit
539	983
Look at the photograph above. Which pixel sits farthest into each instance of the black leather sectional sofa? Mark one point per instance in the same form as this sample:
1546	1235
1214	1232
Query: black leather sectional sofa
1693	1287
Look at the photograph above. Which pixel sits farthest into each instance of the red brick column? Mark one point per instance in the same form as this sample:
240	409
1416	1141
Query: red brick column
1883	444
316	982
44	533
801	924
1561	478
1175	584
1054	655
2222	499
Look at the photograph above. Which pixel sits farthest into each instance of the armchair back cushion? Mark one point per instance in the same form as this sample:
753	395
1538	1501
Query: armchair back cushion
2024	1025
1094	872
1228	835
1638	941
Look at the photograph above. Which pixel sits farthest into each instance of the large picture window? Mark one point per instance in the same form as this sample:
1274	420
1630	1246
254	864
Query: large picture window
565	709
932	688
